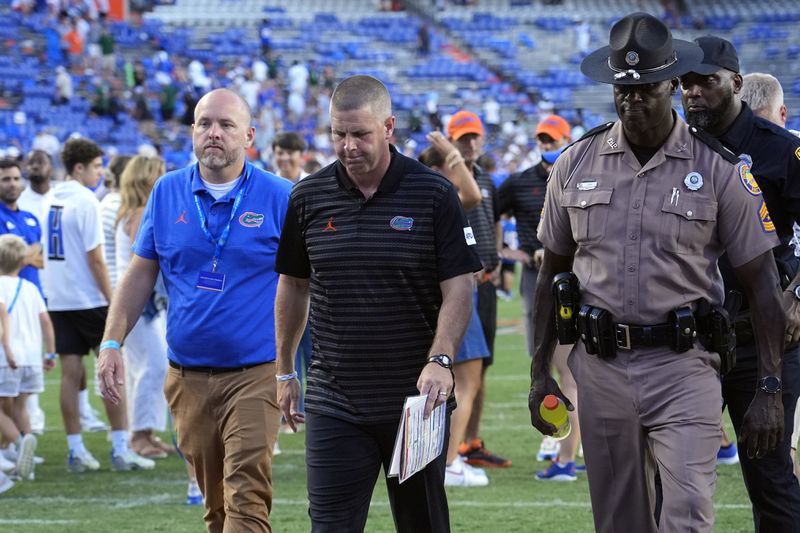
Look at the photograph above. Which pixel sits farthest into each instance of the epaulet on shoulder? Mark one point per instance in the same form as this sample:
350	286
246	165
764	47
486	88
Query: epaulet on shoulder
714	144
594	131
591	133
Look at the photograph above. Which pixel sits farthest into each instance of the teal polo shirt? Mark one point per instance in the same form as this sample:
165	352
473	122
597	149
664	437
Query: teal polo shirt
236	326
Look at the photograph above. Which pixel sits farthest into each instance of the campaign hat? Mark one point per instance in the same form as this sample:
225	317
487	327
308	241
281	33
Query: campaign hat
641	50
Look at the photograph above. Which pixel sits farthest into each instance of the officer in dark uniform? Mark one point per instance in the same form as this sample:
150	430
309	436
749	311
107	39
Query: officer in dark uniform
640	211
712	101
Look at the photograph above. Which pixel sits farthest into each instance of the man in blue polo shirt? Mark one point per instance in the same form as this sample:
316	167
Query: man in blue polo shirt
18	222
212	230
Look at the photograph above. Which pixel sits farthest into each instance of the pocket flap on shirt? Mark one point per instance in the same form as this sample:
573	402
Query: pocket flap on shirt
584	199
692	208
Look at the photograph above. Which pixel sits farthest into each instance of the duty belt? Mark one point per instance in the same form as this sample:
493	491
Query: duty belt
603	337
629	337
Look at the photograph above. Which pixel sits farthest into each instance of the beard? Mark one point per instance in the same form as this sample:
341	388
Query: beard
38	179
710	118
216	161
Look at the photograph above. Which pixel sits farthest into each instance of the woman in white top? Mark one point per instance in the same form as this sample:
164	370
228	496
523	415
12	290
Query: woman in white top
146	346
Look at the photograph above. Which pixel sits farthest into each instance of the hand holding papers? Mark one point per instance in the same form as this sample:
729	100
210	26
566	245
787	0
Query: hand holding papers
419	441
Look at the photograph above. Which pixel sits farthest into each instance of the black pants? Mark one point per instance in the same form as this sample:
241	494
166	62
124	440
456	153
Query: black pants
344	460
770	481
487	312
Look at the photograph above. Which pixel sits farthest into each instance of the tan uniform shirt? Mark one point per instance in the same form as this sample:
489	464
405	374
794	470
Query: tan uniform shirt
644	241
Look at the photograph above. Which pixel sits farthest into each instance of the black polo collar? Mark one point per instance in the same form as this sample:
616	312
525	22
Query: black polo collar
740	130
390	181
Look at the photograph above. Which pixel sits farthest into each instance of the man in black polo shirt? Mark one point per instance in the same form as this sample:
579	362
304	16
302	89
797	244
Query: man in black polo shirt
380	244
522	196
712	101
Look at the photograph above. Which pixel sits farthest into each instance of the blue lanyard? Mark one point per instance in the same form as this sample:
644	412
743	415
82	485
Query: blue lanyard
223	238
16	295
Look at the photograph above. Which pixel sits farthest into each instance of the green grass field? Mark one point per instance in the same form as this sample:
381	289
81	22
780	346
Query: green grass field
514	501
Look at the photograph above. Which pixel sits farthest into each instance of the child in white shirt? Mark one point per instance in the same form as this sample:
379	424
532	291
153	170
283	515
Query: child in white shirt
28	328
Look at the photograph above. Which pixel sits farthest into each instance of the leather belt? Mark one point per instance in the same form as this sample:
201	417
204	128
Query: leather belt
630	337
212	370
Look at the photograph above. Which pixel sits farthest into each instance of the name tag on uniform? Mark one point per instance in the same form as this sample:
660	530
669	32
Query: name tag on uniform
211	281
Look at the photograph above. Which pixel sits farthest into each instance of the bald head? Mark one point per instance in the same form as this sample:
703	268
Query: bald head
224	97
221	134
360	92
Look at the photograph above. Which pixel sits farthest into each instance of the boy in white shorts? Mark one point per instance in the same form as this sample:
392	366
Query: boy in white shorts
21	367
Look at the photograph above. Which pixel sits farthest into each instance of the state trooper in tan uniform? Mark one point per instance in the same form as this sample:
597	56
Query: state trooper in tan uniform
640	210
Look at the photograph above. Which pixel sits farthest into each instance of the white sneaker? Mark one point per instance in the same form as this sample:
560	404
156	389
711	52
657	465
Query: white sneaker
6	465
37	421
25	455
548	450
193	495
81	462
128	460
90	421
38	460
276	450
5	483
10	453
460	474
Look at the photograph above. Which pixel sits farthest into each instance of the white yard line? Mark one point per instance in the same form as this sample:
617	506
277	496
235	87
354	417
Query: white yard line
172	498
35	522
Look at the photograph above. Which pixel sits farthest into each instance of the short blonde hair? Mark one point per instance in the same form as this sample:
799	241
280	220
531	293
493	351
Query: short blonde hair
12	253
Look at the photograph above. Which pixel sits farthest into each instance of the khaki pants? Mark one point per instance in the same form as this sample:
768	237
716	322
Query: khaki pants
646	408
227	425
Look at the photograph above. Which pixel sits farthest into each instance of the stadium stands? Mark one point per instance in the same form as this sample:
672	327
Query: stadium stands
520	52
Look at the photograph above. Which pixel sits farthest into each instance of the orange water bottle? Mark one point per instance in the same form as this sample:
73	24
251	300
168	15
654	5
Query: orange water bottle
554	411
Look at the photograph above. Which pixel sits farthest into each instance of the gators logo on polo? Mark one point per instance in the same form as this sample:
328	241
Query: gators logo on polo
766	220
401	223
251	220
748	180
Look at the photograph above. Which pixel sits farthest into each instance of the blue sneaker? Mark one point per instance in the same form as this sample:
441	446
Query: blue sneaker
558	472
580	468
728	455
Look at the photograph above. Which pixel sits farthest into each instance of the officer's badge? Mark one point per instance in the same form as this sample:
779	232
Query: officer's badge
693	181
748	180
797	153
631	58
766	220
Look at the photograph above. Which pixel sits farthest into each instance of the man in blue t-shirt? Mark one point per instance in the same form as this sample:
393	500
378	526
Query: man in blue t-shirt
17	222
212	230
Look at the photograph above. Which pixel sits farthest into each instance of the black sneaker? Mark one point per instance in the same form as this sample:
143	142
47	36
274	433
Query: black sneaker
477	455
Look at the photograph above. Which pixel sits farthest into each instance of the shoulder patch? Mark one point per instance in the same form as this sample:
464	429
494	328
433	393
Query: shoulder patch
749	182
797	153
713	143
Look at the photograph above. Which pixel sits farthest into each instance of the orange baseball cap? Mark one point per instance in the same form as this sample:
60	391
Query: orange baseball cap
462	123
554	126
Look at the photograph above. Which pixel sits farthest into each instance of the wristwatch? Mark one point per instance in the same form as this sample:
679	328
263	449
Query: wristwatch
796	292
770	384
443	360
